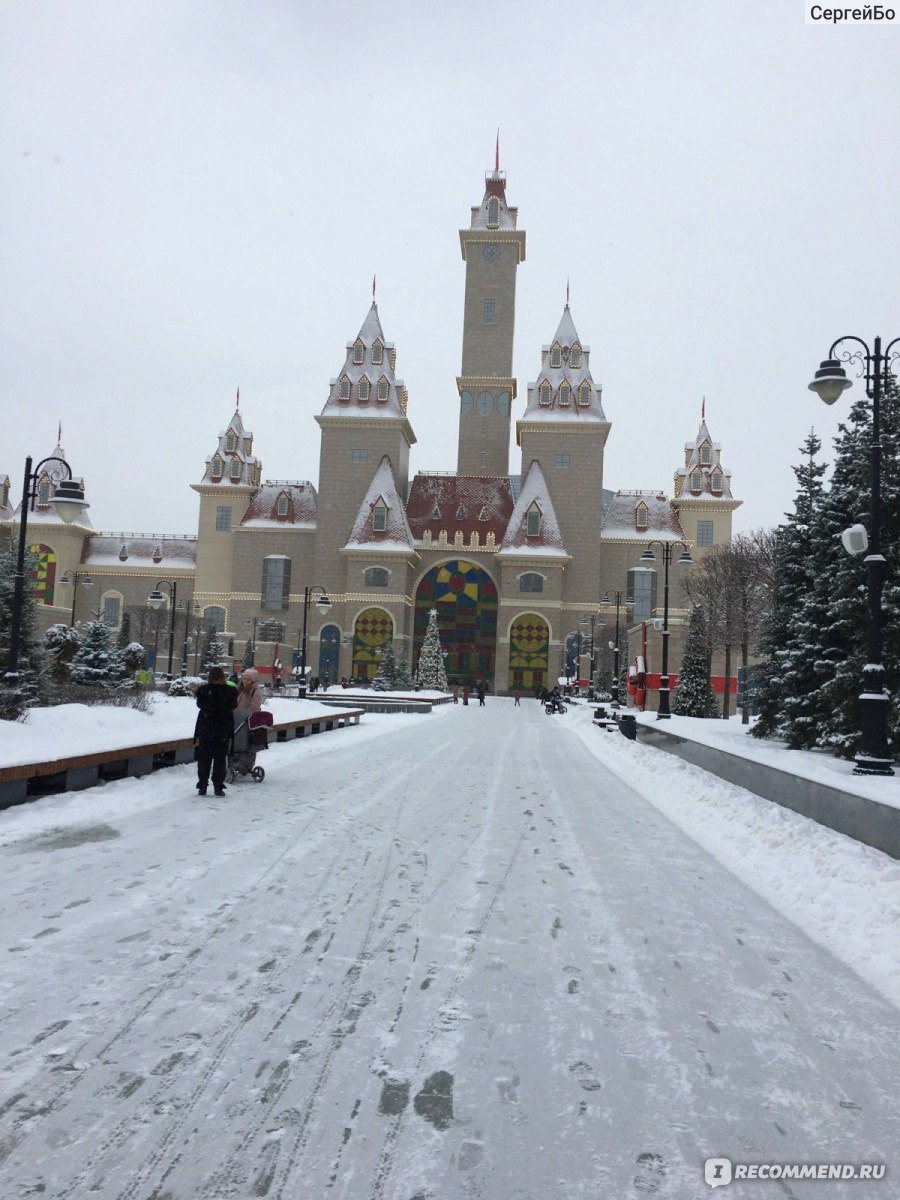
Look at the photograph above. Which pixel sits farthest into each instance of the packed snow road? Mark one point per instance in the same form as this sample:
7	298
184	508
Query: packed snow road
462	960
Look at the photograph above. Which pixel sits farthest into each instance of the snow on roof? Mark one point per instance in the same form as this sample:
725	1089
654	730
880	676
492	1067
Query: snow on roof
396	537
548	540
378	367
574	370
301	505
621	520
464	504
165	552
696	472
494	188
235	445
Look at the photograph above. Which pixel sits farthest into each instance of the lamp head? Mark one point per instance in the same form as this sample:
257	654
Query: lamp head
323	604
830	381
156	599
69	501
648	556
685	558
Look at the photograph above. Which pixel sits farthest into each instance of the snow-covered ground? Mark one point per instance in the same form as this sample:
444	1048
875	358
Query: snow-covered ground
465	954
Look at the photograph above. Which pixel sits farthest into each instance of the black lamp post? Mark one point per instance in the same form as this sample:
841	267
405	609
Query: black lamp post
873	756
189	610
685	557
77	576
156	600
614	646
69	502
322	605
593	653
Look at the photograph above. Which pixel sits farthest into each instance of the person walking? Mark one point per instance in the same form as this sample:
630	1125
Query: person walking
480	693
213	730
517	696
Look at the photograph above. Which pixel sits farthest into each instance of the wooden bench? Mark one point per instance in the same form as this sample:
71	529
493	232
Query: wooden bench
30	780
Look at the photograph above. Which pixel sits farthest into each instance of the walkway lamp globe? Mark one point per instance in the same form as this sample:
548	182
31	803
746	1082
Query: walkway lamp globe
668	547
69	503
873	756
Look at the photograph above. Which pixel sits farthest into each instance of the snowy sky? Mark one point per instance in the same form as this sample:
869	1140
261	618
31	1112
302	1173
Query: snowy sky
195	197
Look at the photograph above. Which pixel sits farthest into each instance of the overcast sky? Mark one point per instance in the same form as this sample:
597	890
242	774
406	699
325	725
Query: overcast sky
195	197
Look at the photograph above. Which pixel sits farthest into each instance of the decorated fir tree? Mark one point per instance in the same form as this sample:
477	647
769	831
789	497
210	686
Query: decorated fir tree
430	672
386	676
694	696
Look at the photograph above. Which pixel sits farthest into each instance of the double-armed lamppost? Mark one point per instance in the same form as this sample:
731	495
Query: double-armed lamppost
81	577
156	600
668	545
873	756
621	602
69	502
322	605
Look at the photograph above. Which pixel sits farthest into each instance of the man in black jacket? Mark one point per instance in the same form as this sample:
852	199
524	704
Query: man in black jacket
213	731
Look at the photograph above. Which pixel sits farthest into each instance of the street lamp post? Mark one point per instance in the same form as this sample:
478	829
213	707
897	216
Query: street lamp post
667	546
873	756
189	611
69	502
322	605
77	576
593	656
614	646
156	600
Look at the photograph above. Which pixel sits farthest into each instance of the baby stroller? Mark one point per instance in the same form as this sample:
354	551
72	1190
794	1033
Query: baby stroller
251	733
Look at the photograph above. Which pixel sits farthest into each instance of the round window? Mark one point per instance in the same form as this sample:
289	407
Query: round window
485	403
465	402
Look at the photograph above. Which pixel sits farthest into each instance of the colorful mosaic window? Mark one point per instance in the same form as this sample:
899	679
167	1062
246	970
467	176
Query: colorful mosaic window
43	577
529	650
371	633
465	597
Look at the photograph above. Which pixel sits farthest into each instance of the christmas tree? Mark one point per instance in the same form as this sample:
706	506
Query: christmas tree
694	696
96	663
430	672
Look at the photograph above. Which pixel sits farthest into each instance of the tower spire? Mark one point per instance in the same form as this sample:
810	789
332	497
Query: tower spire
497	151
238	399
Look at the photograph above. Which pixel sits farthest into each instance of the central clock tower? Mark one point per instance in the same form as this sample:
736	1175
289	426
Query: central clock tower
492	248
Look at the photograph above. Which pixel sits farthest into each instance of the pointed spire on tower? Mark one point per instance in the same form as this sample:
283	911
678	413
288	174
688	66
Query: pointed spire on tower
497	151
567	291
59	435
373	287
703	410
238	399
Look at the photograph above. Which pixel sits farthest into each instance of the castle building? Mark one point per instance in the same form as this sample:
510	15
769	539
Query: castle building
515	564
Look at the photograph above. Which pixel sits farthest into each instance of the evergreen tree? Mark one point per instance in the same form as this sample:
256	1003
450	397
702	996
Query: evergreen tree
97	663
124	638
430	672
786	672
212	652
694	696
32	683
132	657
249	659
61	644
386	676
841	580
402	674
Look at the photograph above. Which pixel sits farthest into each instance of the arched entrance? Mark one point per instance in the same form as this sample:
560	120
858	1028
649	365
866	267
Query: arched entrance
529	651
329	653
465	597
371	633
43	577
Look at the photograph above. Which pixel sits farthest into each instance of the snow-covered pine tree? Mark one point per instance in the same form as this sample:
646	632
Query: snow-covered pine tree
386	676
694	696
402	674
32	684
212	653
431	672
61	644
786	670
841	580
249	659
97	663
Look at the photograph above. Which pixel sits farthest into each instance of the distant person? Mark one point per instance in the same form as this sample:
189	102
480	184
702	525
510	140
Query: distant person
517	696
480	691
235	675
213	730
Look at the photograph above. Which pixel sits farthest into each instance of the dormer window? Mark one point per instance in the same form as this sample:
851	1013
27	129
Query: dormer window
282	507
483	515
359	352
230	442
642	517
493	213
248	446
436	513
237	468
716	482
555	355
565	395
533	521
379	516
705	454
378	352
696	482
544	395
383	390
344	389
364	388
460	515
584	395
575	356
43	496
217	468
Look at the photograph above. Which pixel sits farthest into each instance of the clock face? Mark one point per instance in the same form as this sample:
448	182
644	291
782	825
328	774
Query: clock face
491	252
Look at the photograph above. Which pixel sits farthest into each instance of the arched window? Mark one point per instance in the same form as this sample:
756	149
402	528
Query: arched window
493	213
466	403
575	356
705	454
642	516
555	355
379	516
544	395
378	352
375	577
565	395
344	392
230	442
696	482
283	503
584	394
364	388
716	481
533	521
218	467
112	609
485	403
214	619
359	351
44	491
383	391
530	582
237	468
